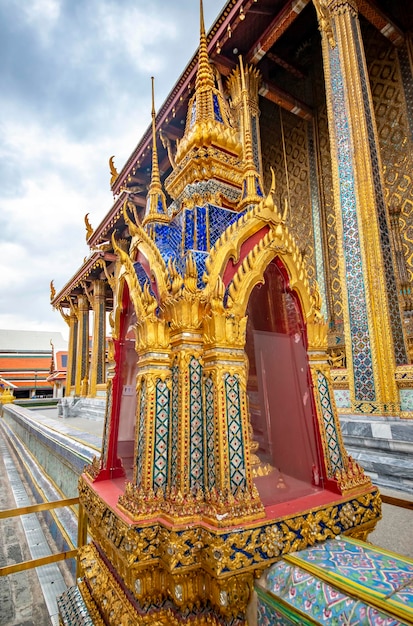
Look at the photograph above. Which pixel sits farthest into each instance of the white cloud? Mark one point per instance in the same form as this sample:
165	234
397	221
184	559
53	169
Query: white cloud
134	31
41	15
67	105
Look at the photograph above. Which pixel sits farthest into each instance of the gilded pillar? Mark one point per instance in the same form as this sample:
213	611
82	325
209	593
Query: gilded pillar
97	365
373	327
153	424
187	441
82	356
316	213
72	356
334	453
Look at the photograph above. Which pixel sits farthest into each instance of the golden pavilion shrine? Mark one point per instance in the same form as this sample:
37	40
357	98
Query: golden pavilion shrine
255	273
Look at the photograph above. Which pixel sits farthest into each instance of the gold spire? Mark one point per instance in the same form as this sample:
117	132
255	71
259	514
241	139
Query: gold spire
155	202
205	76
209	134
251	186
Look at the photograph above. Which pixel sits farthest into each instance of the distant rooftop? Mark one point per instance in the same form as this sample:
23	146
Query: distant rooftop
31	340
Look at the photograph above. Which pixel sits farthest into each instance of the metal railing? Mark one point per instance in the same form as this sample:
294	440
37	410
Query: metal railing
51	558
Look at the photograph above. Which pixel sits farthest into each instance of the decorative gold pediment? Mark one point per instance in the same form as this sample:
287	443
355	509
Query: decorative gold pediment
265	225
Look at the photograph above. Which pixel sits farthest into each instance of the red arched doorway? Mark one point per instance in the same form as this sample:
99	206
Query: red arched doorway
126	388
282	409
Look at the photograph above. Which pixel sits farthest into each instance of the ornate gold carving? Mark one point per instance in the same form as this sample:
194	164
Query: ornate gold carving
193	563
113	171
317	328
396	151
89	229
340	7
337	358
166	142
142	241
93	469
325	20
351	478
90	604
52	290
155	202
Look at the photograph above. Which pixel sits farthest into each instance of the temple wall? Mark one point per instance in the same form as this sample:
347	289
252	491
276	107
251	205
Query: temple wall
32	446
392	90
60	457
391	82
383	446
297	191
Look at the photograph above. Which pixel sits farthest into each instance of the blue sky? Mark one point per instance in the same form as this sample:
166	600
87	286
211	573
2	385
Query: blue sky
75	89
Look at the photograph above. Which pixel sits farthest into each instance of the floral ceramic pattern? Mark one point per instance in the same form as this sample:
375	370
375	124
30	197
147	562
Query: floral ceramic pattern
344	581
321	601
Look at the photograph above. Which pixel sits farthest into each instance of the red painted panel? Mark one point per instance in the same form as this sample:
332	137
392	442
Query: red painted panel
246	247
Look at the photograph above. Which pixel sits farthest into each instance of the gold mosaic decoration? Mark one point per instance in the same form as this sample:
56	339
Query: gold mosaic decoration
196	563
299	218
397	155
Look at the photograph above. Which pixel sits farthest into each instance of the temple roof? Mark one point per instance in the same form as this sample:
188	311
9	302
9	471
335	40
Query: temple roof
272	35
30	341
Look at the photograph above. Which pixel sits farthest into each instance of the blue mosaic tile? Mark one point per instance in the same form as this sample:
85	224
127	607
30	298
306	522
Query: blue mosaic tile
219	220
255	137
189	229
141	434
235	436
196	472
210	431
258	187
162	422
361	349
201	229
334	452
143	277
174	423
217	110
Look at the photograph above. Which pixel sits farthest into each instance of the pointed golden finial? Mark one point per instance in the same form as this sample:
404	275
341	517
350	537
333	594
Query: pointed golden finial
155	179
156	201
248	156
252	187
205	75
208	122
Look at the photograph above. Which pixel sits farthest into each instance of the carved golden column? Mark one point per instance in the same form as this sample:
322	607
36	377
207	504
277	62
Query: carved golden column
373	326
97	365
335	456
72	356
82	356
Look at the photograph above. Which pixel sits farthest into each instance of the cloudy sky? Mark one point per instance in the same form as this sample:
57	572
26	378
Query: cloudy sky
74	89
